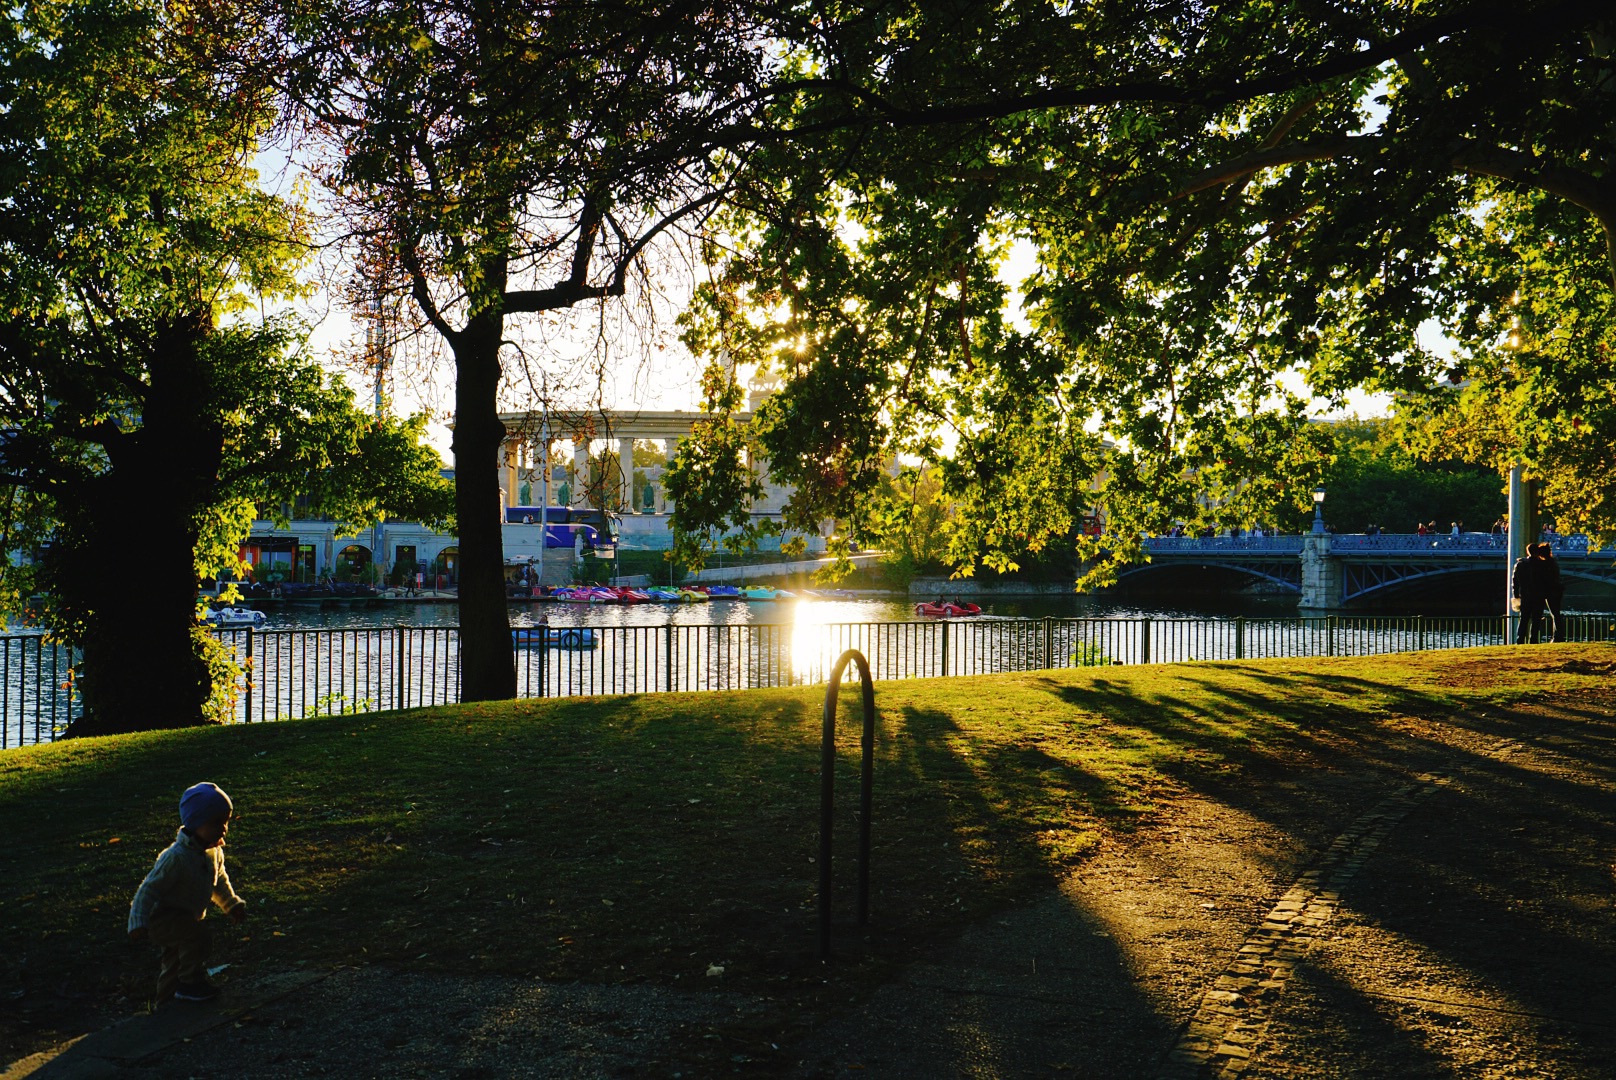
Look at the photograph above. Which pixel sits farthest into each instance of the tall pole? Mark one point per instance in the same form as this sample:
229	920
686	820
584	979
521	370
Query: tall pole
376	346
1522	520
544	492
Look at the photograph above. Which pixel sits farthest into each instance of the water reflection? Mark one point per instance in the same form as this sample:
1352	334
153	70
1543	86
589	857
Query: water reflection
808	634
795	612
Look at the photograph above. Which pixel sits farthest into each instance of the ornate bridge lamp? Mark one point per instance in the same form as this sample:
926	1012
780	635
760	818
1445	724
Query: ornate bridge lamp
1318	510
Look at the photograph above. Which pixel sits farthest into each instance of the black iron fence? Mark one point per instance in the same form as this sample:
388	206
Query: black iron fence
37	701
300	673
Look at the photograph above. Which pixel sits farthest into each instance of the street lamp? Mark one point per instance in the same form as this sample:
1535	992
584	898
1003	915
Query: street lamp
1318	510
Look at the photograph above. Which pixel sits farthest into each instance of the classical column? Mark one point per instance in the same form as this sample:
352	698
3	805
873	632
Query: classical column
525	475
580	470
625	465
760	469
672	446
509	450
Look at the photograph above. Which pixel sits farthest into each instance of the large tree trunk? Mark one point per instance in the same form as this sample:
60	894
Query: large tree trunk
487	663
141	669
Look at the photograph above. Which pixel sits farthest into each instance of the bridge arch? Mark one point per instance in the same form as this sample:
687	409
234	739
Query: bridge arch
1372	581
1286	573
1369	582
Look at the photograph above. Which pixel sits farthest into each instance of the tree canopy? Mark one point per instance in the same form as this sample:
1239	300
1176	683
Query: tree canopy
144	400
1374	479
1232	209
492	163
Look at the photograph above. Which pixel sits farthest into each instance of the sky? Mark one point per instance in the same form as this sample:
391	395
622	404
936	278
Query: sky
620	363
598	355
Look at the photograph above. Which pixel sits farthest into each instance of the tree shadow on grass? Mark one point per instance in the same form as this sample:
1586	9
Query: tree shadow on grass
1503	873
1505	903
1037	987
653	838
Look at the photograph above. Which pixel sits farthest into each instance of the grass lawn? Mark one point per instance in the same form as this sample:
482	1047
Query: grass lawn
648	837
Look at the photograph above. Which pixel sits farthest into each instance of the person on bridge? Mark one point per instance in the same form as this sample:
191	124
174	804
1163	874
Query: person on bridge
1528	584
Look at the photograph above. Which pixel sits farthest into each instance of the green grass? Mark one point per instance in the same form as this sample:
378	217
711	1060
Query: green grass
644	838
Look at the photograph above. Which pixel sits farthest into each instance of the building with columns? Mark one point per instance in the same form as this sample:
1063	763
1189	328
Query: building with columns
309	549
565	443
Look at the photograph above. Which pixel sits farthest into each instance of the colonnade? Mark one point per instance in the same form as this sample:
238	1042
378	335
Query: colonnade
528	454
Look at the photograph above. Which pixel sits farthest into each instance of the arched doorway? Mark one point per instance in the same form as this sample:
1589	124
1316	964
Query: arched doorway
446	567
352	563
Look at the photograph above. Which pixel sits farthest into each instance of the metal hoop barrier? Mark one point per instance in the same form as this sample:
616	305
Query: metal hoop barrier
827	784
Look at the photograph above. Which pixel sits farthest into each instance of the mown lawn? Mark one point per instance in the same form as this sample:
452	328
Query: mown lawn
646	838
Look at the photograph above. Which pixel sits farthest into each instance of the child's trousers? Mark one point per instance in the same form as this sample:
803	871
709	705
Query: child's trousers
183	942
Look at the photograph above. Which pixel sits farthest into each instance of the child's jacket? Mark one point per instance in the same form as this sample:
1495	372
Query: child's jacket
186	876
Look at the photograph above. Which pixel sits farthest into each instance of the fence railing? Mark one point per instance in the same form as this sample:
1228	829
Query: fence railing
1438	544
37	702
300	673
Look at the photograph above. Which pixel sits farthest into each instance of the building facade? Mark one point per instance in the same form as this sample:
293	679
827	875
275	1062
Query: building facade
578	460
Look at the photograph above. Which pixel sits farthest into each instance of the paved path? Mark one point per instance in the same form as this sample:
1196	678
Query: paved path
1448	917
1461	924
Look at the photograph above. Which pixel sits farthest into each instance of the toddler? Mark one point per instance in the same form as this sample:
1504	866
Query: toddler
170	904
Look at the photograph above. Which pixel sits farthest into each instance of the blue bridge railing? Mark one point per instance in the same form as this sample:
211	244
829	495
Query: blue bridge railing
1444	544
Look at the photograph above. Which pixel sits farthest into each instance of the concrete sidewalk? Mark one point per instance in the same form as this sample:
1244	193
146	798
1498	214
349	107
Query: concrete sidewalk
116	1049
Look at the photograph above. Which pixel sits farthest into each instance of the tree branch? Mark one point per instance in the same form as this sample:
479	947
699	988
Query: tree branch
574	290
423	295
1493	14
1246	164
1591	193
1594	195
583	250
656	230
1292	116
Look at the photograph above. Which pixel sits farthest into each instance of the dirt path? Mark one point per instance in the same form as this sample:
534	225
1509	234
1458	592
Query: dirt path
1460	923
1481	939
1439	905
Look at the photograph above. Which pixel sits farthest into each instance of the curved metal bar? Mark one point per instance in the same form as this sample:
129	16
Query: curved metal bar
827	790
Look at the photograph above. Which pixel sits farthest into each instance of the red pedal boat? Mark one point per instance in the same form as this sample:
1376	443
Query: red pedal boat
947	610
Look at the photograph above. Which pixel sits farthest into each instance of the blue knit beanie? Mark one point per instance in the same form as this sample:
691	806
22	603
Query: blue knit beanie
203	804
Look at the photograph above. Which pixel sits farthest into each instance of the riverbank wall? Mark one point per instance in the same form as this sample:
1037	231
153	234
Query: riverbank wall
932	587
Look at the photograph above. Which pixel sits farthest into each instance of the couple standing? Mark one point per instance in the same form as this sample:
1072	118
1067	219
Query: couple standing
1535	582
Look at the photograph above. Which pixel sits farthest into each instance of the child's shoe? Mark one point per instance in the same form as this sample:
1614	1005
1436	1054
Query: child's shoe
197	991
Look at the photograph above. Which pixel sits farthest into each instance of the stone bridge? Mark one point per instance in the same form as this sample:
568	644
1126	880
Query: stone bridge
1341	570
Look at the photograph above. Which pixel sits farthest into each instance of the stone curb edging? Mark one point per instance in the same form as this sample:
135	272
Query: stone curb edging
1232	1016
1224	1031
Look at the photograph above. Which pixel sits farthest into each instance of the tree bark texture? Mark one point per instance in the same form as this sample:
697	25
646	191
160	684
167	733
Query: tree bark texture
141	670
487	662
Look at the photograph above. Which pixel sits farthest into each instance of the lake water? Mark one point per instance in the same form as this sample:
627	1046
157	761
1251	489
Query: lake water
310	615
337	656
